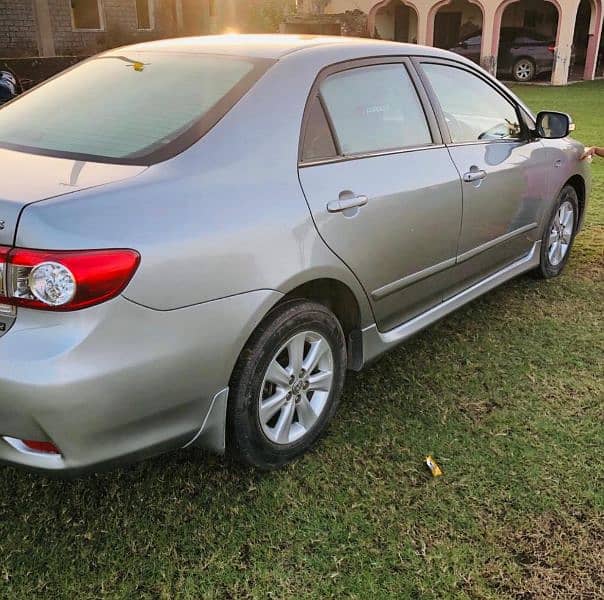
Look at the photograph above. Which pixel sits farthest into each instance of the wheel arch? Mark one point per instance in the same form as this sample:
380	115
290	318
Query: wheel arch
578	183
342	301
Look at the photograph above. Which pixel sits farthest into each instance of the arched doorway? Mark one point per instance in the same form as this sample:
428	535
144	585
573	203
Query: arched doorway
586	40
393	20
457	25
526	44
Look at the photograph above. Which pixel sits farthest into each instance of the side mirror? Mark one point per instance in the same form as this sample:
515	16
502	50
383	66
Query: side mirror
553	125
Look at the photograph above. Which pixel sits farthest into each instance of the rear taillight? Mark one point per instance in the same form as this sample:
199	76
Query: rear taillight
67	280
42	447
32	446
551	48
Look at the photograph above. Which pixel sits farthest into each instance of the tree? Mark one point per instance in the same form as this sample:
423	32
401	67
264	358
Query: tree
265	16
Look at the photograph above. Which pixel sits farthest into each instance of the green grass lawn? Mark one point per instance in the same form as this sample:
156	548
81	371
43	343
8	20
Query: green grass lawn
507	395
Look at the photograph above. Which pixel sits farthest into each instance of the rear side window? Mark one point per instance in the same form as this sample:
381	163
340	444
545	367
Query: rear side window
374	109
318	141
474	111
137	109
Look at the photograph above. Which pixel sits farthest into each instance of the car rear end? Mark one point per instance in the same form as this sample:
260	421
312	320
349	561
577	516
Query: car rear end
88	375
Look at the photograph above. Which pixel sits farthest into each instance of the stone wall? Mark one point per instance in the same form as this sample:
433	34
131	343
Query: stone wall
19	28
120	26
18	35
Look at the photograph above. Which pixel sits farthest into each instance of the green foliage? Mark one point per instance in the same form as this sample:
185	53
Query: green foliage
266	15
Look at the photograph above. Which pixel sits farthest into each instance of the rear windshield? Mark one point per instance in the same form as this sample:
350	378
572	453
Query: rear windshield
139	108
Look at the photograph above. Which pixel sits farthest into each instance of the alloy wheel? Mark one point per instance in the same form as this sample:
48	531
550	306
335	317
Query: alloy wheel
561	233
296	387
524	70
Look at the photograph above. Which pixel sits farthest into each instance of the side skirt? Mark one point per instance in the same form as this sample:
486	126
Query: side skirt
376	342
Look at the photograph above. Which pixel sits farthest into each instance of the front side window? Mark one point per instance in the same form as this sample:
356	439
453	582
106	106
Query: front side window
374	109
86	14
127	107
473	110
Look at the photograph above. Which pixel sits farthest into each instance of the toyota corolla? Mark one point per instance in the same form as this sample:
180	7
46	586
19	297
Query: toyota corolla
199	237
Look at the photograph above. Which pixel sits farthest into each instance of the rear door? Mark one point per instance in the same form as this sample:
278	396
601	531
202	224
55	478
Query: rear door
380	184
503	170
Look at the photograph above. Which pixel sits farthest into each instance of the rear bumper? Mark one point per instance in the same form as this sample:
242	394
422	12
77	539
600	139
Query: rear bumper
119	381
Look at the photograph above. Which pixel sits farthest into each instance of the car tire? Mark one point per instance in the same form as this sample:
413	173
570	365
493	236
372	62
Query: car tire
559	234
277	408
524	70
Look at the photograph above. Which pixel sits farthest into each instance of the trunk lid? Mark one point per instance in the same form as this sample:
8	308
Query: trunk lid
27	178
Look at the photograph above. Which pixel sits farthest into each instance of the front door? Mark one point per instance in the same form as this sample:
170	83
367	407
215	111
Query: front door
503	171
382	188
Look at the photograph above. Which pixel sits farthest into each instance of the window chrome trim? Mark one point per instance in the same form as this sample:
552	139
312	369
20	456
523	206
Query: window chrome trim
495	242
518	141
349	157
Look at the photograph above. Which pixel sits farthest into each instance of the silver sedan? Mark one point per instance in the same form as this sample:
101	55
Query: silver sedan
199	237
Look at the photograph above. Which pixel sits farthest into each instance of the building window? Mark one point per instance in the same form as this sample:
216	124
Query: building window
144	14
212	8
86	14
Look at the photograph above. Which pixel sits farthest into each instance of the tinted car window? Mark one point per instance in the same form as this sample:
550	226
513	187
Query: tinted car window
523	39
126	107
318	141
473	109
507	34
375	108
473	41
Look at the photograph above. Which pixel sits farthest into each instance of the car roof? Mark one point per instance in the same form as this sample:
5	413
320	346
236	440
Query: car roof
276	46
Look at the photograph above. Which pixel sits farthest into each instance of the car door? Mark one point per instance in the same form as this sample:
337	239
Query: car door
503	169
381	186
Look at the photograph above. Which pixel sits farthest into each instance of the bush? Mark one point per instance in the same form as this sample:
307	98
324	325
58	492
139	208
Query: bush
266	15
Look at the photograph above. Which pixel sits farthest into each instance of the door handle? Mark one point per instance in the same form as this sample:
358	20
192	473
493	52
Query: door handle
345	203
477	175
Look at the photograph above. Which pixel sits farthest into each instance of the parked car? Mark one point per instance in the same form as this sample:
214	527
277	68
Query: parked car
9	86
200	256
523	54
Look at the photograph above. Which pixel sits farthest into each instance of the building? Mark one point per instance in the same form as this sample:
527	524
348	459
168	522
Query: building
49	28
40	37
43	36
575	25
